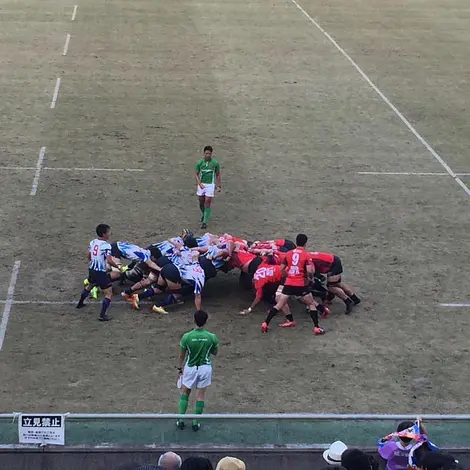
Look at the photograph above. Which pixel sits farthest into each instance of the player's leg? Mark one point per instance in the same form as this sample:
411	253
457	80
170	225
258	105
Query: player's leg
108	294
204	379
209	191
188	381
86	290
169	280
202	206
334	287
281	301
308	300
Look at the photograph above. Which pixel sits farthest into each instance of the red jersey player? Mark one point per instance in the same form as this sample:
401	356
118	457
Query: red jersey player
266	280
297	265
329	264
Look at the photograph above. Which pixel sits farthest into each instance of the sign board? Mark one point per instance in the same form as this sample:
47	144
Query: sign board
41	429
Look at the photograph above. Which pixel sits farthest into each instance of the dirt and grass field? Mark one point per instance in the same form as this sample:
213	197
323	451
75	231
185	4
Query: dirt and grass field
144	86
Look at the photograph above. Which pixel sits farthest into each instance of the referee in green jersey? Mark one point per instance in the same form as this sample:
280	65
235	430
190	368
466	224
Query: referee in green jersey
196	348
208	180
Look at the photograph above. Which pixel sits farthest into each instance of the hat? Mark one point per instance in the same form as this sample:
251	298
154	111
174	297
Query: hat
230	463
333	454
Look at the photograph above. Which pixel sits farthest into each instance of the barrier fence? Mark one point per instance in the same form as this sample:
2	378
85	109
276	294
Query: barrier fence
250	430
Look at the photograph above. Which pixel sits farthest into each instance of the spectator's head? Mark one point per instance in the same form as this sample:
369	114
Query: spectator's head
170	461
231	463
333	454
401	427
355	459
437	460
197	463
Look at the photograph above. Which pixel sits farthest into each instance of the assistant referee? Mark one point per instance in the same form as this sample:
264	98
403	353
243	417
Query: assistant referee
196	348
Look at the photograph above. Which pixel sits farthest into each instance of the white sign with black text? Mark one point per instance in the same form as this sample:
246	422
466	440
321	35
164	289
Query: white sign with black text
41	429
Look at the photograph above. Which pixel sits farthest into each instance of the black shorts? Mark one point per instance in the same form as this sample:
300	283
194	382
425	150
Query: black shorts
209	269
99	278
154	252
288	246
336	268
170	273
115	251
163	261
269	292
297	291
254	265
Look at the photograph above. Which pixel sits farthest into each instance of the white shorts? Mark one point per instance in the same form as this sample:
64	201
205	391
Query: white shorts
208	190
197	376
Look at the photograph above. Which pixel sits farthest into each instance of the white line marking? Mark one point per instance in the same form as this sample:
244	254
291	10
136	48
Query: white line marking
399	173
9	302
56	93
34	186
59	302
94	169
385	99
14	168
455	305
67	42
74	14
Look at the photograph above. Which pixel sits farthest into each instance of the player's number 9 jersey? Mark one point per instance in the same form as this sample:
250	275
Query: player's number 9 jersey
99	250
296	261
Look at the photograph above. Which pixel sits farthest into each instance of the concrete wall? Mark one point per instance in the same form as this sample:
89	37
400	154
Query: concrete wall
110	459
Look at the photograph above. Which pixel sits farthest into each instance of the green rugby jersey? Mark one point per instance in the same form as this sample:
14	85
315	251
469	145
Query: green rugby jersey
207	170
199	344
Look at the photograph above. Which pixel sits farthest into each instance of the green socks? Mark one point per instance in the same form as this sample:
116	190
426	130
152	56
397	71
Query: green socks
201	208
207	213
198	409
183	404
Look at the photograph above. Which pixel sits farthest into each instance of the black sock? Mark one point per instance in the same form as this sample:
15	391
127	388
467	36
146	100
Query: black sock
314	317
355	299
272	313
128	291
290	317
83	296
321	308
347	301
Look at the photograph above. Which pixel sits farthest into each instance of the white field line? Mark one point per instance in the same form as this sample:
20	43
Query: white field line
74	14
406	173
9	302
456	305
37	174
62	302
66	46
48	168
385	99
56	93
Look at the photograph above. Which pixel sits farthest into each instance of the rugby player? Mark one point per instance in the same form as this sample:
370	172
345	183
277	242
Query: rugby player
207	178
329	264
297	266
99	255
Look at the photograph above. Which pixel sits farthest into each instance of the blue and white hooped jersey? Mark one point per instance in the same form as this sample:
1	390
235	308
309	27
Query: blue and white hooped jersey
193	274
204	240
166	248
212	252
185	257
99	250
133	252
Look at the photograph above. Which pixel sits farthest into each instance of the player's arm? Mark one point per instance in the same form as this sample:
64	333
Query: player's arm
175	243
111	262
198	175
284	267
89	256
215	349
181	358
310	269
153	265
218	179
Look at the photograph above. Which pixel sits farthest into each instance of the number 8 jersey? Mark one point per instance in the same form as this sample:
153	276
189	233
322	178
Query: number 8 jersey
99	250
296	262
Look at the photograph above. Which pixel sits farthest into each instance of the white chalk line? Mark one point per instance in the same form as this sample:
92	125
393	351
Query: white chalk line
47	168
406	173
66	46
456	305
74	14
56	93
9	302
34	186
61	302
385	99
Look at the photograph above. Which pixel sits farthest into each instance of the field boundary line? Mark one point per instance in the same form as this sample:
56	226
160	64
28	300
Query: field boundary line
406	173
74	14
385	99
67	42
467	304
56	93
37	174
9	302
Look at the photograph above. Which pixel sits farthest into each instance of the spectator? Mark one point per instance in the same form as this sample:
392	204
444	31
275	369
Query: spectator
197	463
355	459
231	463
333	454
170	461
437	460
396	451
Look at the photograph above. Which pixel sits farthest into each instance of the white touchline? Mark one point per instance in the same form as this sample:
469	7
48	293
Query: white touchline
74	14
59	302
93	169
9	302
67	42
455	305
56	93
385	99
399	173
34	186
